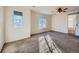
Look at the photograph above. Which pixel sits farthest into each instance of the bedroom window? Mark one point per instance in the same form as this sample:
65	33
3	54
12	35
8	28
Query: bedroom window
18	19
42	22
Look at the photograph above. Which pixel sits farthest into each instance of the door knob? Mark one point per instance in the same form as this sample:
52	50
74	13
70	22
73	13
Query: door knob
76	24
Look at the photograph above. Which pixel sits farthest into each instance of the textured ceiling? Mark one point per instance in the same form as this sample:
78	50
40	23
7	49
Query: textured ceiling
52	9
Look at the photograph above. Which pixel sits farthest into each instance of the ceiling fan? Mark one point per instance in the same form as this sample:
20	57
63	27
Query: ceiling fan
61	10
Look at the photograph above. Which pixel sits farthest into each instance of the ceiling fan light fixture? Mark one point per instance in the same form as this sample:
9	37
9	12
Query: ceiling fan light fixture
61	10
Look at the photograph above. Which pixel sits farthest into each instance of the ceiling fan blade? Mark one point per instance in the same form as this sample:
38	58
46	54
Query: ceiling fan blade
65	8
64	11
33	6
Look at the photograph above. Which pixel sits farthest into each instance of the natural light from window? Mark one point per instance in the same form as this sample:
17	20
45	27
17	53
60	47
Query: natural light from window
42	22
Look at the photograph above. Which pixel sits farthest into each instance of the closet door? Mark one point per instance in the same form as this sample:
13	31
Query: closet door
77	25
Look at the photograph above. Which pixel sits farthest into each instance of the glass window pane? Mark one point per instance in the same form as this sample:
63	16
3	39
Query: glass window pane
18	19
42	22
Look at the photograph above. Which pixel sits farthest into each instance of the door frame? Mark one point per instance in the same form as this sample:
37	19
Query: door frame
68	23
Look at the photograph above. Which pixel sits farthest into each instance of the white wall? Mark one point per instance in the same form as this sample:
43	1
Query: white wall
59	23
13	34
1	27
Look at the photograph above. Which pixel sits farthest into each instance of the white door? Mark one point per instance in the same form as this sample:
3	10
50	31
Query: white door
77	25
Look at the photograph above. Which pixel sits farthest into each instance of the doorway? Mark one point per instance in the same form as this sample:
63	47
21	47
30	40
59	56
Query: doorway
71	24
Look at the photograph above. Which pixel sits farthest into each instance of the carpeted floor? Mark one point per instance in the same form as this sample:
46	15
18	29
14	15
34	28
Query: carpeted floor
29	45
67	43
